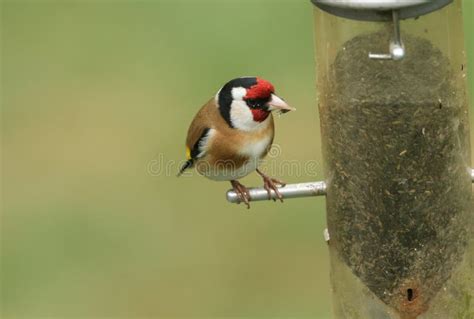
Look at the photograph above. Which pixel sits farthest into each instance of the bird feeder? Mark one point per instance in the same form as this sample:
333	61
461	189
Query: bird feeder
393	103
392	97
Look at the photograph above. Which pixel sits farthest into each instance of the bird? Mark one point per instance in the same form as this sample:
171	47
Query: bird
231	134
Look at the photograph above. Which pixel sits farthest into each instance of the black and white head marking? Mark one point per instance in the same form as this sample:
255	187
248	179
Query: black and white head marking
234	108
225	96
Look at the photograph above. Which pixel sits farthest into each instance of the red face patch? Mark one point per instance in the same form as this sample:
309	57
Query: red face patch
262	90
259	115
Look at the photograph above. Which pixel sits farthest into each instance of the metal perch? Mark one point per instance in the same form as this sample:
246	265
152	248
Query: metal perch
289	191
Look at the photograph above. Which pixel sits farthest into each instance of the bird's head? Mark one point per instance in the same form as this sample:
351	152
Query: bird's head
245	103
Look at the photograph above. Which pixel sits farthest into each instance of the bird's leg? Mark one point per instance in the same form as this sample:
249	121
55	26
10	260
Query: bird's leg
271	184
242	192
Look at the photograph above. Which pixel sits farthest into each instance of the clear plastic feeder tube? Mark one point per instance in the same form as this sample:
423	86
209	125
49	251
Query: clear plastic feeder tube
397	165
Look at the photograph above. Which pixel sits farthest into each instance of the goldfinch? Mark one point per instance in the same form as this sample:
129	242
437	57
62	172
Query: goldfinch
233	132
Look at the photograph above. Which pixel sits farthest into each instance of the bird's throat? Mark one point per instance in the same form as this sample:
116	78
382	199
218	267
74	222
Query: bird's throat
260	115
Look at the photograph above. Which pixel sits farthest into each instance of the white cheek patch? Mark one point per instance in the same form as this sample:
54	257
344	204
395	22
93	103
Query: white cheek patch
239	93
241	116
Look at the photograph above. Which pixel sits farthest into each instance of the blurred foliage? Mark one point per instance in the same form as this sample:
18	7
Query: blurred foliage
95	95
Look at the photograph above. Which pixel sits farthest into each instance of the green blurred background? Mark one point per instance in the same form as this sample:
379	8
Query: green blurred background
96	98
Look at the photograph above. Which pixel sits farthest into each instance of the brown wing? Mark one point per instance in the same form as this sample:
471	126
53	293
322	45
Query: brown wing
198	129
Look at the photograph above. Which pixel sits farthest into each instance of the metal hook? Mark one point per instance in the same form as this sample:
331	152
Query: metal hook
397	50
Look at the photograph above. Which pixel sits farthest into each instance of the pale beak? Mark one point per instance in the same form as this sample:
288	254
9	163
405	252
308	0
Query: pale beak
277	104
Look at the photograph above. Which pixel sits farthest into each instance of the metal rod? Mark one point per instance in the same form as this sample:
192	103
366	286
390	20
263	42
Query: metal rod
397	51
396	27
380	56
289	191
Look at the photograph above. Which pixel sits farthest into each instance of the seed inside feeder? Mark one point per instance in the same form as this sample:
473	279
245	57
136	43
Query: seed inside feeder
398	192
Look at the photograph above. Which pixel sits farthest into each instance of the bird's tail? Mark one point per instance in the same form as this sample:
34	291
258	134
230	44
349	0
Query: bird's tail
189	163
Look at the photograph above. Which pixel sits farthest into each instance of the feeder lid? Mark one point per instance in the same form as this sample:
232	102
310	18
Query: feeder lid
379	10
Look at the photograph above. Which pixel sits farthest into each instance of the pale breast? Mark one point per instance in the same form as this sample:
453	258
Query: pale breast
232	154
256	148
223	172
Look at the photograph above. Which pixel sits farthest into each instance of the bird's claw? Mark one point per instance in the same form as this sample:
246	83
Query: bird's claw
242	192
272	184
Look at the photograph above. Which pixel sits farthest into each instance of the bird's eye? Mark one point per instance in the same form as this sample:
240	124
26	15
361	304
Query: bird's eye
257	103
253	104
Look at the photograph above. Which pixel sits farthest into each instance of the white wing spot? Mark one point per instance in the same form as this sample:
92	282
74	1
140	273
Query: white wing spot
204	142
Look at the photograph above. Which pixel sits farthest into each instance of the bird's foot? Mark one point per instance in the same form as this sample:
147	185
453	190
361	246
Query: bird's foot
242	192
272	184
